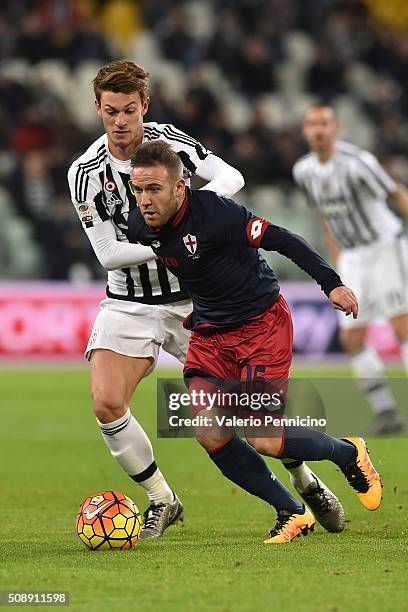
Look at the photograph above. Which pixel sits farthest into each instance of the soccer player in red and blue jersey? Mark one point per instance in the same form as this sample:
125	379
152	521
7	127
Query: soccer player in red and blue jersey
240	324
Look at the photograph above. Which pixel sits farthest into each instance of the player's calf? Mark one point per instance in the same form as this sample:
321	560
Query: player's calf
270	447
211	443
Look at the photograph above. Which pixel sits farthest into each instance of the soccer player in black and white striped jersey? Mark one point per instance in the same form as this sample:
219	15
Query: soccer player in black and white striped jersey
145	304
349	189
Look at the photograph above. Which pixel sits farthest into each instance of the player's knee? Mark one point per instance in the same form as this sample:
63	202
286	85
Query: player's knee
210	443
400	327
266	446
351	342
108	405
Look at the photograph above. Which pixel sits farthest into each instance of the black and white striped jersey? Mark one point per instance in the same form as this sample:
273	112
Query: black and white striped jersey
100	192
350	191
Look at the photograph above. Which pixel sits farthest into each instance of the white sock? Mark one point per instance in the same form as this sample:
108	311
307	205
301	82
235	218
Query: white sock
300	476
404	354
130	446
369	369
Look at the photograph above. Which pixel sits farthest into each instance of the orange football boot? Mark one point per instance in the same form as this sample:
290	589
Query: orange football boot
289	526
362	475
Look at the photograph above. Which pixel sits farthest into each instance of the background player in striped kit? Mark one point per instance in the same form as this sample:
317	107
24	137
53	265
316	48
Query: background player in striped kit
349	189
145	304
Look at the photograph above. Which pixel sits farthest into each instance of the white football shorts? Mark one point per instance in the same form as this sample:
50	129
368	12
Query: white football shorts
139	330
378	275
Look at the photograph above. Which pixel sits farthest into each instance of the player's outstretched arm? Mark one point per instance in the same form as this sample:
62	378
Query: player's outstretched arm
113	254
222	178
304	255
274	238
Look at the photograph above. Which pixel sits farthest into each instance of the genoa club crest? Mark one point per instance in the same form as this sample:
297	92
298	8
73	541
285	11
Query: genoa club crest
190	242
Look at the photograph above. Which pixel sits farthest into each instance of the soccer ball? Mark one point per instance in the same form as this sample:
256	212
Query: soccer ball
109	520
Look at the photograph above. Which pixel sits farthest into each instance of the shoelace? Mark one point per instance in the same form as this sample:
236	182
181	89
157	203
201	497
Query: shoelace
355	476
322	497
152	515
283	518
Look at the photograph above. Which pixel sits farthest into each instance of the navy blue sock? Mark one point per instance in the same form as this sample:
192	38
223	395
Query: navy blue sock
291	464
309	444
239	462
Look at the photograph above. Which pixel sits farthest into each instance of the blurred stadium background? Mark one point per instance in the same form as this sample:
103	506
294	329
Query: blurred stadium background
236	74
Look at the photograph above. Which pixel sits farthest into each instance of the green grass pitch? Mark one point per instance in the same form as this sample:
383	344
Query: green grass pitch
52	457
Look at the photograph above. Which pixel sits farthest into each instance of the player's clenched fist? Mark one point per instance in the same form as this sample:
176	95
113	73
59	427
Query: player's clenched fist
343	298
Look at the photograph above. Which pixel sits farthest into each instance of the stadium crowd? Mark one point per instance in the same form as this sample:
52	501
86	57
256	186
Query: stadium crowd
236	74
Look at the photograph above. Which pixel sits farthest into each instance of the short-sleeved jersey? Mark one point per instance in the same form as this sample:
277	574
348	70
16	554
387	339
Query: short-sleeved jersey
212	244
99	186
350	191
